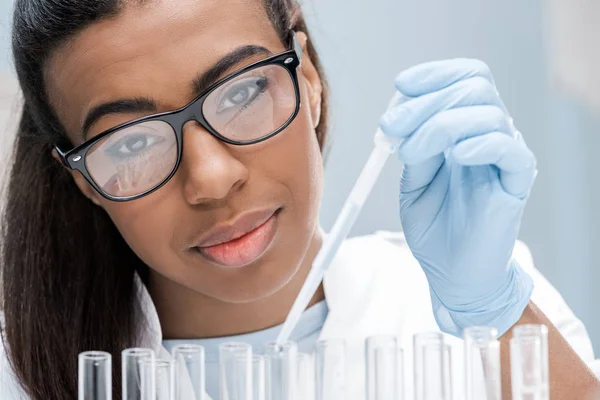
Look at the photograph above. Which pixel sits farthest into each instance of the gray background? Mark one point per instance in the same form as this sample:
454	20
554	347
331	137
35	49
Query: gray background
364	44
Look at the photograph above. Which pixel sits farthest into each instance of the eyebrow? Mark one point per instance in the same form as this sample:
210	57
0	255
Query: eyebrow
199	84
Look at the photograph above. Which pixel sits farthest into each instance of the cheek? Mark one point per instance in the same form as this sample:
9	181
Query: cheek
145	227
312	180
297	163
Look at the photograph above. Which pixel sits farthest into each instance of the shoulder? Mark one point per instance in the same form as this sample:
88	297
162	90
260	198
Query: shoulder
9	386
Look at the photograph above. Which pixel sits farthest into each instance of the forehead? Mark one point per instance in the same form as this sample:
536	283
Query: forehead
153	51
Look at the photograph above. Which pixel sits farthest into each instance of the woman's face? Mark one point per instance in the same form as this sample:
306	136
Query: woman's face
267	193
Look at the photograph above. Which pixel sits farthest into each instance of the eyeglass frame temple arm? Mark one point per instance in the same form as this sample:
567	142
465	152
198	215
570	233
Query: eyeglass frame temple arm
297	47
62	156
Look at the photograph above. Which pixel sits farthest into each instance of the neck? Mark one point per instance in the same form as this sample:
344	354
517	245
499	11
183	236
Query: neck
184	313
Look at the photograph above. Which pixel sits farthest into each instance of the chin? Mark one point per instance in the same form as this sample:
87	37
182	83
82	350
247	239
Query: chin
253	283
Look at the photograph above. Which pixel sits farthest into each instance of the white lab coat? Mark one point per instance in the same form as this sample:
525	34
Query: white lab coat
375	286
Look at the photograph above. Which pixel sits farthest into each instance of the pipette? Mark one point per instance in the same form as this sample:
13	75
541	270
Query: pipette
384	146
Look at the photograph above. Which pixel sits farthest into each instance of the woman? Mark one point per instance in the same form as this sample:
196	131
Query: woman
166	183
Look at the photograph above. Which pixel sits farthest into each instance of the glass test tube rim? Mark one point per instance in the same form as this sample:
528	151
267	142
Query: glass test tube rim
375	342
229	346
530	330
383	337
518	342
258	359
480	334
137	350
304	356
162	362
187	347
156	363
188	351
428	335
95	355
238	350
331	342
273	348
325	346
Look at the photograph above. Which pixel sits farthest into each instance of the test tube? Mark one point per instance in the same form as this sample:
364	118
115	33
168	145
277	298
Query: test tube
189	372
384	368
95	375
482	364
529	362
158	379
235	371
432	367
281	370
331	369
130	371
258	377
305	384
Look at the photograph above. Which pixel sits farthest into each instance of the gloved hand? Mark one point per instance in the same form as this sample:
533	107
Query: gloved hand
466	179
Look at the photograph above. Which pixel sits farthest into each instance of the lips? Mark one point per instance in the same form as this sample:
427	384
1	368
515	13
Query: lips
240	242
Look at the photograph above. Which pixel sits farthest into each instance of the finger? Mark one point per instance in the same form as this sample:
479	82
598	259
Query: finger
397	99
449	127
401	121
421	190
437	75
417	177
516	162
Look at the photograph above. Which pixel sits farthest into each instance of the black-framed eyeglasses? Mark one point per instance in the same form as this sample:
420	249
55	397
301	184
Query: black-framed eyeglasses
138	157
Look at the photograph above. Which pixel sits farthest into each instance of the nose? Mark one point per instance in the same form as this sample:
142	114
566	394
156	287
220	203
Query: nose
210	171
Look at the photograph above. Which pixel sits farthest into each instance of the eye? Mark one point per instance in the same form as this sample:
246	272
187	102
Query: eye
133	144
242	94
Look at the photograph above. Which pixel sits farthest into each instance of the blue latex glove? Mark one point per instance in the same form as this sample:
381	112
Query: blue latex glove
466	180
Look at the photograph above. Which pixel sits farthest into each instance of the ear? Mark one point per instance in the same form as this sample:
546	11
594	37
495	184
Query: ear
83	185
313	80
